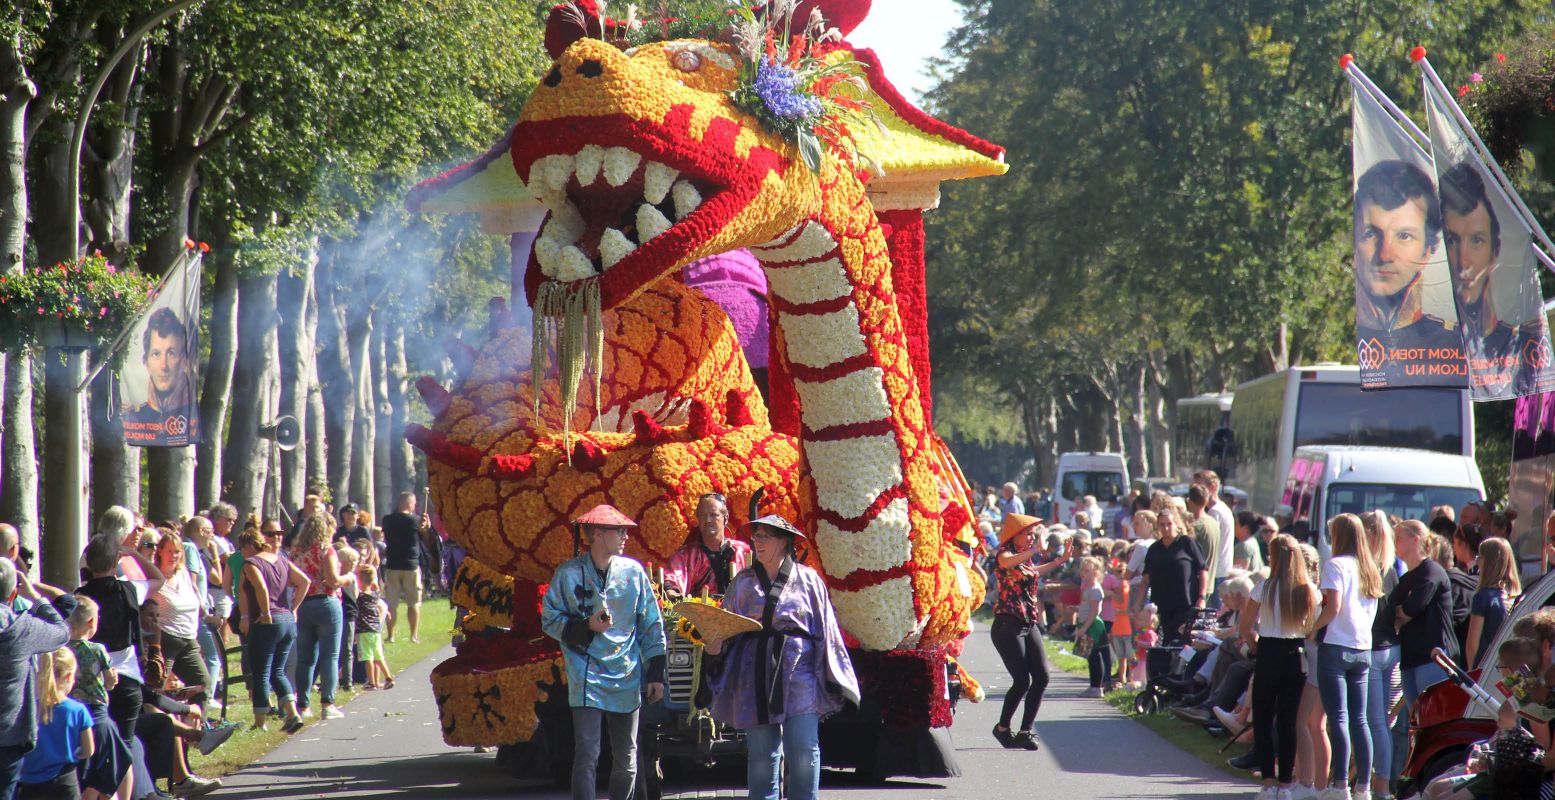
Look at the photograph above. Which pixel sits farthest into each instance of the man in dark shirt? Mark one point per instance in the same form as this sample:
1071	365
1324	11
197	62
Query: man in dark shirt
348	529
403	533
1176	576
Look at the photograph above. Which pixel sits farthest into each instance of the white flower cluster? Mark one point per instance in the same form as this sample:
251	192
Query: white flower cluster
821	340
881	616
884	544
814	242
851	473
856	397
810	283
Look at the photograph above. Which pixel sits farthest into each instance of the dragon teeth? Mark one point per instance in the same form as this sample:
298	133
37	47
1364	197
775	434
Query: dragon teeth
547	252
573	265
650	223
614	246
588	162
566	224
657	180
619	165
558	170
686	198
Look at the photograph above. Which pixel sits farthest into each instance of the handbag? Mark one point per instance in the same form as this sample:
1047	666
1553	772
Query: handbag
1088	640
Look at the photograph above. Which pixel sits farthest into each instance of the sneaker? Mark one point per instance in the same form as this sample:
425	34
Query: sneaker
330	712
307	712
217	736
1197	714
292	725
1005	737
1248	760
1227	718
194	786
1334	793
1284	793
1301	791
1026	740
1266	793
1360	793
1094	691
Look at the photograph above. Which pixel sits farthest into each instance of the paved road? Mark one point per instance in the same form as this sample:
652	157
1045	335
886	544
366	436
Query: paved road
389	745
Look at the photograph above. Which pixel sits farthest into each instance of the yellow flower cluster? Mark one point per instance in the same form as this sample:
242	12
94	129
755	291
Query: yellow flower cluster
486	593
496	707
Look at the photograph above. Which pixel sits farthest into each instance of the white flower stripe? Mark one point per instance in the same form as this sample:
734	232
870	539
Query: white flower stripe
856	397
881	616
849	474
883	544
811	244
821	340
810	283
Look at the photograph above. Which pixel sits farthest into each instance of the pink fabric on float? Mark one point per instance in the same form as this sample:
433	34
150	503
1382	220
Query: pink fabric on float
735	281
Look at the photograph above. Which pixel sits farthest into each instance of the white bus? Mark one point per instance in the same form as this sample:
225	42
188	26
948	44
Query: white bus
1198	435
1324	405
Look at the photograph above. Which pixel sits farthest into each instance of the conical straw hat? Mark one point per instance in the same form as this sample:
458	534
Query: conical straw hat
714	623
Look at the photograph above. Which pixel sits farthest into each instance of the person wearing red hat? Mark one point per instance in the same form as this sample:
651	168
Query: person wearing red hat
1016	630
709	559
601	607
778	683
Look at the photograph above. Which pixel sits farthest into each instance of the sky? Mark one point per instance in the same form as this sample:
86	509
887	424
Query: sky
905	41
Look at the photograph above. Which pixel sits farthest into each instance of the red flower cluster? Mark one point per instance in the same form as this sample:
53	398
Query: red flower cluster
901	680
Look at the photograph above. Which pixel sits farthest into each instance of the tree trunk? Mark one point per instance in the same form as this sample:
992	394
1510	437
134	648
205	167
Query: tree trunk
335	380
383	481
1160	425
216	389
115	464
18	461
296	355
402	458
245	462
1138	464
318	463
359	336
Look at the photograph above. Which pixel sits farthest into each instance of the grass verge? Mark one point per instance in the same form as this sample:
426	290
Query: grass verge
1191	738
247	745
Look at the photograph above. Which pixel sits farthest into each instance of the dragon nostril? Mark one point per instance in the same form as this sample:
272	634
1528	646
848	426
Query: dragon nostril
591	69
554	77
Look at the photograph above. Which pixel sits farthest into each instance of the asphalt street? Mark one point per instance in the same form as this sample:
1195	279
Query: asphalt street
388	745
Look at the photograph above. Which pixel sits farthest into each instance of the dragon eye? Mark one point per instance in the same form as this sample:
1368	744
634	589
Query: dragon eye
686	60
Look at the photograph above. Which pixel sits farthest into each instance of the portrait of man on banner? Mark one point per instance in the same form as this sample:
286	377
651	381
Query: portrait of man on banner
158	402
1405	317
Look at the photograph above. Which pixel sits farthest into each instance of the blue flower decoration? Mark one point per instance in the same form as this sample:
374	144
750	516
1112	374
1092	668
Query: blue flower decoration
778	87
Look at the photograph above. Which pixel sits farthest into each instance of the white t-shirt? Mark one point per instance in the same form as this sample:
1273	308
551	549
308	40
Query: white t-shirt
178	606
1270	622
1136	560
1222	514
1352	627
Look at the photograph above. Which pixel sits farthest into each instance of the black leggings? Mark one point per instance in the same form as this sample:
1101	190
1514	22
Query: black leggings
1100	659
1279	676
1020	646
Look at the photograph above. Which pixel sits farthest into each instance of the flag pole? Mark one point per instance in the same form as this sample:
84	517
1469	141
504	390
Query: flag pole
1347	63
1418	54
113	349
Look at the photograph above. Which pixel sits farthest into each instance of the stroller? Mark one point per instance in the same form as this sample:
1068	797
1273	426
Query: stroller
1167	664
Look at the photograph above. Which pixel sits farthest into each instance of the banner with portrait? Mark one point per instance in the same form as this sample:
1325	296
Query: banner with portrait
1494	271
1405	316
158	379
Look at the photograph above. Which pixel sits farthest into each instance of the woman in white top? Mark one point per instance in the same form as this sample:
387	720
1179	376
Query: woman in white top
1351	585
1283	606
179	611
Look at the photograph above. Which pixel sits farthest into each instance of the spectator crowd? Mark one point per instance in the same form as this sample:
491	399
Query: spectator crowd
105	690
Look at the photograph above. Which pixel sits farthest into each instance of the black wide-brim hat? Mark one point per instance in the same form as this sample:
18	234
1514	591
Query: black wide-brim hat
780	525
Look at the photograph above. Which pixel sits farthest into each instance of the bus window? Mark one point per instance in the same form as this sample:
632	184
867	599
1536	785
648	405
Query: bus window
1340	413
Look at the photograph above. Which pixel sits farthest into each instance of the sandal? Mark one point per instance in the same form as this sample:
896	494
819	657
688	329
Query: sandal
388	683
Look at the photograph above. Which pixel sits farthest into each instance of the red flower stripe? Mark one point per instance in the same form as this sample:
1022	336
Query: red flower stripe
433	394
833	371
861	579
432	187
860	522
811	309
879	427
436	446
913	115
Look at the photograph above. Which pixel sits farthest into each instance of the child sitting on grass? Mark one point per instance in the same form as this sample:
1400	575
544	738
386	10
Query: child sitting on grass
64	733
369	630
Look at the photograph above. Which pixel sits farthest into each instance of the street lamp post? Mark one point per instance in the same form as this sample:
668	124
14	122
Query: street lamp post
64	514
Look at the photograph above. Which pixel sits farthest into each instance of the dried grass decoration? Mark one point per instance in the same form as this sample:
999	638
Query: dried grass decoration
568	315
713	624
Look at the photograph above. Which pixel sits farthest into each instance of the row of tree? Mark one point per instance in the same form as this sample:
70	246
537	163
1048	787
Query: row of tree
284	135
1176	218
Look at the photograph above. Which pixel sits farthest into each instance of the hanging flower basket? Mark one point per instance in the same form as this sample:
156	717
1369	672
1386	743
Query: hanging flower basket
84	303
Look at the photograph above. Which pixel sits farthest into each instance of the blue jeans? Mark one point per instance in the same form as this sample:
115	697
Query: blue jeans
1416	680
795	742
1378	682
211	651
589	725
319	621
1341	681
268	647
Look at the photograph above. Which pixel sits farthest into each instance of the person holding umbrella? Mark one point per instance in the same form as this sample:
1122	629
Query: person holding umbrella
600	605
779	682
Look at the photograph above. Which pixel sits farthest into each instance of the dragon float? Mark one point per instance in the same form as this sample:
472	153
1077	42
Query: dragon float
631	387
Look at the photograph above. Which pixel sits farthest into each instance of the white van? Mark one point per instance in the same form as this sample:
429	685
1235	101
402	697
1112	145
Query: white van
1102	475
1326	481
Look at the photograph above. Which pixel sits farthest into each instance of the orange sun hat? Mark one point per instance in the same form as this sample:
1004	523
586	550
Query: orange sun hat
1015	524
605	516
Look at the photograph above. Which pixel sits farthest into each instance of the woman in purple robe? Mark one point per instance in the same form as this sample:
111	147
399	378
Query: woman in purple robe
778	683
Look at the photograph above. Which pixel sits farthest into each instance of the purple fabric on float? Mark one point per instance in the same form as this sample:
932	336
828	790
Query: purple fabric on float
736	282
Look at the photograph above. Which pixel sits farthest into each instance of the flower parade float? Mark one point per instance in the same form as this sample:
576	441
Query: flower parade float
651	145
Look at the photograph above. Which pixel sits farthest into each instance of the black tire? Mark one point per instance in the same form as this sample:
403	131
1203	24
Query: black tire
1443	761
1147	703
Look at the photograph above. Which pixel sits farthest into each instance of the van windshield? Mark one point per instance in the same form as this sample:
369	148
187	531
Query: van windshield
1102	485
1399	500
1340	413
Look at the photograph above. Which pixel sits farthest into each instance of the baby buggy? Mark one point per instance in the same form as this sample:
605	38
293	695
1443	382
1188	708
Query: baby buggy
1167	670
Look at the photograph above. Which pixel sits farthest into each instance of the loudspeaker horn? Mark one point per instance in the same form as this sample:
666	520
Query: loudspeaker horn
284	430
